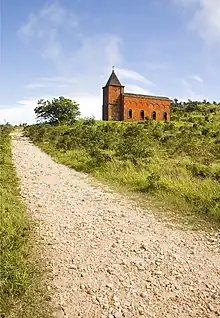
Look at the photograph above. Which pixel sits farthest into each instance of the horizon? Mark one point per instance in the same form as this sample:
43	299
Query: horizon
67	48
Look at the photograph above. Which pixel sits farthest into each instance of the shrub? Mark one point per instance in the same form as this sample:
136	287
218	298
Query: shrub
177	160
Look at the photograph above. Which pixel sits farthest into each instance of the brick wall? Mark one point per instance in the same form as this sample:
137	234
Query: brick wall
147	105
112	100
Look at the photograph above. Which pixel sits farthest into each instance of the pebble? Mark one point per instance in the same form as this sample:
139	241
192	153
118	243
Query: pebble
141	311
143	246
117	314
73	267
109	285
82	286
144	295
124	262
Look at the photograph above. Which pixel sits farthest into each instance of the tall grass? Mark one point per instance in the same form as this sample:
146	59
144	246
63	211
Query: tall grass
21	290
177	162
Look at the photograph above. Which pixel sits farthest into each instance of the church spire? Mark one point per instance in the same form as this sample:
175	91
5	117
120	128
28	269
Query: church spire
113	79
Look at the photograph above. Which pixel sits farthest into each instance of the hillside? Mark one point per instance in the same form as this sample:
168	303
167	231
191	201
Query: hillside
109	257
176	162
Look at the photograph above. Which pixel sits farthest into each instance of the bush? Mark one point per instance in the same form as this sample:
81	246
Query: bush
177	160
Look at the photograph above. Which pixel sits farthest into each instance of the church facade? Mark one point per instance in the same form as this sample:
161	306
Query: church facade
119	106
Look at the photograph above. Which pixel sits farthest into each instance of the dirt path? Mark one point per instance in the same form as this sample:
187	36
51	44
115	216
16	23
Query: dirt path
109	258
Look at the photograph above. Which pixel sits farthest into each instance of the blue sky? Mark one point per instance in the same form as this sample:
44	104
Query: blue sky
68	47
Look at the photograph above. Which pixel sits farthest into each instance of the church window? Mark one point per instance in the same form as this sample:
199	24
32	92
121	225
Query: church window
154	115
142	114
130	113
165	116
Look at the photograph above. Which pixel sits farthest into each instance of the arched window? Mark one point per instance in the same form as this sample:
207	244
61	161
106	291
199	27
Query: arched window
142	114
154	115
165	116
130	113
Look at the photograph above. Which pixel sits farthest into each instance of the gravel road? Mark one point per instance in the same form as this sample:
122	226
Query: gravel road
108	257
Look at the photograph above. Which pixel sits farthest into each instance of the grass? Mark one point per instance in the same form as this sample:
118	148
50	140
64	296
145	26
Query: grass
176	163
182	198
22	290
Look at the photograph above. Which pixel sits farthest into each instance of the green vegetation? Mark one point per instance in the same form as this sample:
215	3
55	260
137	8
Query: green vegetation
176	162
21	291
58	110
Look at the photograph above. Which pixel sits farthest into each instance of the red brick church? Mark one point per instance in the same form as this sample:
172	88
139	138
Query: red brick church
118	105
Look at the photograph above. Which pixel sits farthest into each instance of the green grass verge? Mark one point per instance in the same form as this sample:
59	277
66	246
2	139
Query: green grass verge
177	163
22	290
181	196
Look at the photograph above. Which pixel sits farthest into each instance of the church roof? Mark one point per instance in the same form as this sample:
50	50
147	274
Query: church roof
147	96
113	80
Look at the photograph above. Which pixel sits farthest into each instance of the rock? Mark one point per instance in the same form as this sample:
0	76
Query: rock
99	299
144	294
110	271
94	299
48	298
159	273
211	308
89	291
73	267
127	304
82	286
109	285
141	311
117	314
124	262
143	246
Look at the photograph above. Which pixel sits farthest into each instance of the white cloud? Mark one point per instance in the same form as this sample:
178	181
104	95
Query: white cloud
58	79
189	91
130	74
156	65
47	22
112	51
22	112
44	85
44	27
205	18
90	105
136	89
196	78
90	62
97	54
187	3
51	82
52	25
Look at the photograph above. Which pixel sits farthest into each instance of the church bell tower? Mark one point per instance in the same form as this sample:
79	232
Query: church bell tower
112	98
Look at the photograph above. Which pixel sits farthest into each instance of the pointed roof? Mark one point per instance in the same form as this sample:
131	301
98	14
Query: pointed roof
113	80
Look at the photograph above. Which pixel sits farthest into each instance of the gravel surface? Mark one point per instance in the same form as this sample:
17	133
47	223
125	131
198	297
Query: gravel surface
107	257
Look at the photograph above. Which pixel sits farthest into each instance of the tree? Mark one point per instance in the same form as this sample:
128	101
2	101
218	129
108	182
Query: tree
59	110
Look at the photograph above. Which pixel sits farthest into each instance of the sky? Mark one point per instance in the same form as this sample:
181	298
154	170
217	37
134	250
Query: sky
68	47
